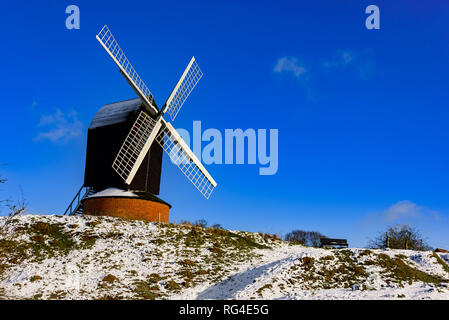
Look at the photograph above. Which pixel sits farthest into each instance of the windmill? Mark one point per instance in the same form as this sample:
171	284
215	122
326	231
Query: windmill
137	163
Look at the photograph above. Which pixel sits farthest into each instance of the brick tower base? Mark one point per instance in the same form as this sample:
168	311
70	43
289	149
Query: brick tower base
127	208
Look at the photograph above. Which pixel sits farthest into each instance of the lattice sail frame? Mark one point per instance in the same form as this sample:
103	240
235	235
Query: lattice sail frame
185	159
192	74
112	47
145	129
135	147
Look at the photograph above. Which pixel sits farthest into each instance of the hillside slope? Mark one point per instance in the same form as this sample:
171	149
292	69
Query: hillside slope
80	257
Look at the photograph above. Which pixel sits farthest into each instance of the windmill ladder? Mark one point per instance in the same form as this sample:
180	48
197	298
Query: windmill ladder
76	206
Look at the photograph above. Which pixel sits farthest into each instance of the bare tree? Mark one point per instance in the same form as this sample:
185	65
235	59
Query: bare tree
400	237
315	238
17	208
14	208
308	238
201	223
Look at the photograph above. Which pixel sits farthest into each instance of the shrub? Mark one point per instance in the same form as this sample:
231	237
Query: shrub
201	223
35	278
110	278
187	262
145	290
172	285
400	237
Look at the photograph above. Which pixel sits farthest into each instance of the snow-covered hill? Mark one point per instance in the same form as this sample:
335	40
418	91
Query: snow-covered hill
81	257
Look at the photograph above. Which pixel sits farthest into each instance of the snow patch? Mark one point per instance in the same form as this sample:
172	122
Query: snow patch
113	192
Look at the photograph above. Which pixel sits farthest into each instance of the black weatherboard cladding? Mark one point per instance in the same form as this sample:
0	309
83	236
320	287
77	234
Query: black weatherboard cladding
106	134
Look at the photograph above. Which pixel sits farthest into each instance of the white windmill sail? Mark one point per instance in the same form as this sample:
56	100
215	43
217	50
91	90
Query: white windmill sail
192	74
135	147
112	47
185	159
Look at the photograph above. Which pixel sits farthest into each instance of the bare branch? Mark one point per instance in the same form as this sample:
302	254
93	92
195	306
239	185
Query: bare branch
15	209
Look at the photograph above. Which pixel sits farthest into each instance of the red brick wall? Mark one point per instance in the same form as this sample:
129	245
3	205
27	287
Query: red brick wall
126	208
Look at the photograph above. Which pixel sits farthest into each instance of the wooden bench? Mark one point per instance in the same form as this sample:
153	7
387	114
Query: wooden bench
333	242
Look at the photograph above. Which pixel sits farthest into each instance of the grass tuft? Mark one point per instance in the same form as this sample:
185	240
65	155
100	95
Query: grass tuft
400	272
440	261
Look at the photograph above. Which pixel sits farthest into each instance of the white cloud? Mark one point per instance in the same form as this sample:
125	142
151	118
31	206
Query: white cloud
341	58
404	209
62	127
362	63
290	65
403	212
33	105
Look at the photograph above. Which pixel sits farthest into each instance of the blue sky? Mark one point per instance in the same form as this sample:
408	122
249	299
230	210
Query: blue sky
362	114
